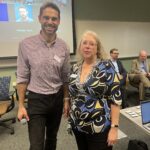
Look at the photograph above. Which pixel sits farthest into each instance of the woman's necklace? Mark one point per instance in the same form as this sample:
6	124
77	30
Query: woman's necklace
86	70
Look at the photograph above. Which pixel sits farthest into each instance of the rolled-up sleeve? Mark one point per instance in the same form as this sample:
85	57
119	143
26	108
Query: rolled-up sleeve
23	68
113	83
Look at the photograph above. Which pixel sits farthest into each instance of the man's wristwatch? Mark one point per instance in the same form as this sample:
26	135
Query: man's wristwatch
114	126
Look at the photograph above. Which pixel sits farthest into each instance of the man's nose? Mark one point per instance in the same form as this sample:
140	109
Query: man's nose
50	20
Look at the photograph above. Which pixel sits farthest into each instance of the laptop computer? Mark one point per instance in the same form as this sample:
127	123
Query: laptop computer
4	87
145	114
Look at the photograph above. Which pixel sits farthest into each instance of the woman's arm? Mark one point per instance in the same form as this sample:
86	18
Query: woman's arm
113	133
115	111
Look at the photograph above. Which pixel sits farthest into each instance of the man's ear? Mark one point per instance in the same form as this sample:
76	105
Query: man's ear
59	21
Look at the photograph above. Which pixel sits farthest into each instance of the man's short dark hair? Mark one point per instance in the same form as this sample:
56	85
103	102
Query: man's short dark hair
113	49
49	5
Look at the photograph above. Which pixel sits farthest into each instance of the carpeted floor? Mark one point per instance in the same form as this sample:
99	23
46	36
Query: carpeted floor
19	141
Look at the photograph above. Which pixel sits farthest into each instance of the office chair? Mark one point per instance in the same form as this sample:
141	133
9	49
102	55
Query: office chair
6	102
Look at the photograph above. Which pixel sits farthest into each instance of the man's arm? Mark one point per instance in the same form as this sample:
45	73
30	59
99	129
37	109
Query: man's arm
21	89
122	72
134	67
149	66
66	100
65	78
65	90
23	77
148	74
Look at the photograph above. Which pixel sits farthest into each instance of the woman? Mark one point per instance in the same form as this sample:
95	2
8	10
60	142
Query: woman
95	97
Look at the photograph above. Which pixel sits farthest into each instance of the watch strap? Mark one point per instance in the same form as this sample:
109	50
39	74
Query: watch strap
114	126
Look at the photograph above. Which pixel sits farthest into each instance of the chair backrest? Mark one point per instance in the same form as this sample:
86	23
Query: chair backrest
4	87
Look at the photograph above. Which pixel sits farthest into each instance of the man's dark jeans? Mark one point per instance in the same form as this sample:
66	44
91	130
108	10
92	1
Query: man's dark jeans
45	113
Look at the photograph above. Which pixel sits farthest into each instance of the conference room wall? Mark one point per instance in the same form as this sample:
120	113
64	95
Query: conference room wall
10	71
120	24
112	10
98	10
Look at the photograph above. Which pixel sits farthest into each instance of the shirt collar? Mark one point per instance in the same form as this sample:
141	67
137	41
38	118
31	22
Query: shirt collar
113	60
45	42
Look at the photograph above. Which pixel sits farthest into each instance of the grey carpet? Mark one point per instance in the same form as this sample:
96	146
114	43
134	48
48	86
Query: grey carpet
19	141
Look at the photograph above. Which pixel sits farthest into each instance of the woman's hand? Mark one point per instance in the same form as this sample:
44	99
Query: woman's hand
112	136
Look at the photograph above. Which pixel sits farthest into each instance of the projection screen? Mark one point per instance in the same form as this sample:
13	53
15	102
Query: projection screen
14	27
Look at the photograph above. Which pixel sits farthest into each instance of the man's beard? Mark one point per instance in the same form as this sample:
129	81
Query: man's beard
54	29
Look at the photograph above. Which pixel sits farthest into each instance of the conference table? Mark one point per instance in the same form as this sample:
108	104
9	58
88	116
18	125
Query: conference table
132	126
133	114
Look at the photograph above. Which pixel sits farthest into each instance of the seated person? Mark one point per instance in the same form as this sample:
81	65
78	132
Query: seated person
140	73
122	74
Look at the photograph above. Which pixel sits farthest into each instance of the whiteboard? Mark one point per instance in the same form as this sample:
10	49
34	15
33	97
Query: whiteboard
128	37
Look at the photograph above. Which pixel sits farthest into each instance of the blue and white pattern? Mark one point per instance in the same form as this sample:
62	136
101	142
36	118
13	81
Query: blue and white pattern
90	101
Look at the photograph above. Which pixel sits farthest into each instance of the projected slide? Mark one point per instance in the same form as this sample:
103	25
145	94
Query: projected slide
23	13
19	19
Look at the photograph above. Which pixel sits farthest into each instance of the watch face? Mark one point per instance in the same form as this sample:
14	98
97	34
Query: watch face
114	126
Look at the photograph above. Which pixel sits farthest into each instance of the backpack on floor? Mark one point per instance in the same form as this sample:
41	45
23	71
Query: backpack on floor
137	145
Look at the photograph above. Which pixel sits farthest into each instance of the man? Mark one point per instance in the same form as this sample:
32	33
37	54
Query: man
121	72
140	73
42	69
23	15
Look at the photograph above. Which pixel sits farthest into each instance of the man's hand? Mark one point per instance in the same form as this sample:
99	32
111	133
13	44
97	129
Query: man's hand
22	113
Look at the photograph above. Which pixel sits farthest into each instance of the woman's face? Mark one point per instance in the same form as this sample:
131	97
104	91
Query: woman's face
88	47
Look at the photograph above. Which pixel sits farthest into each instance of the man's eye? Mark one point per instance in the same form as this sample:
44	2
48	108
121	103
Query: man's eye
46	17
52	18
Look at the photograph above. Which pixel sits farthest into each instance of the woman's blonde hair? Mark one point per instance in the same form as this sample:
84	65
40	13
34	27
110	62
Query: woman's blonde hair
101	54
